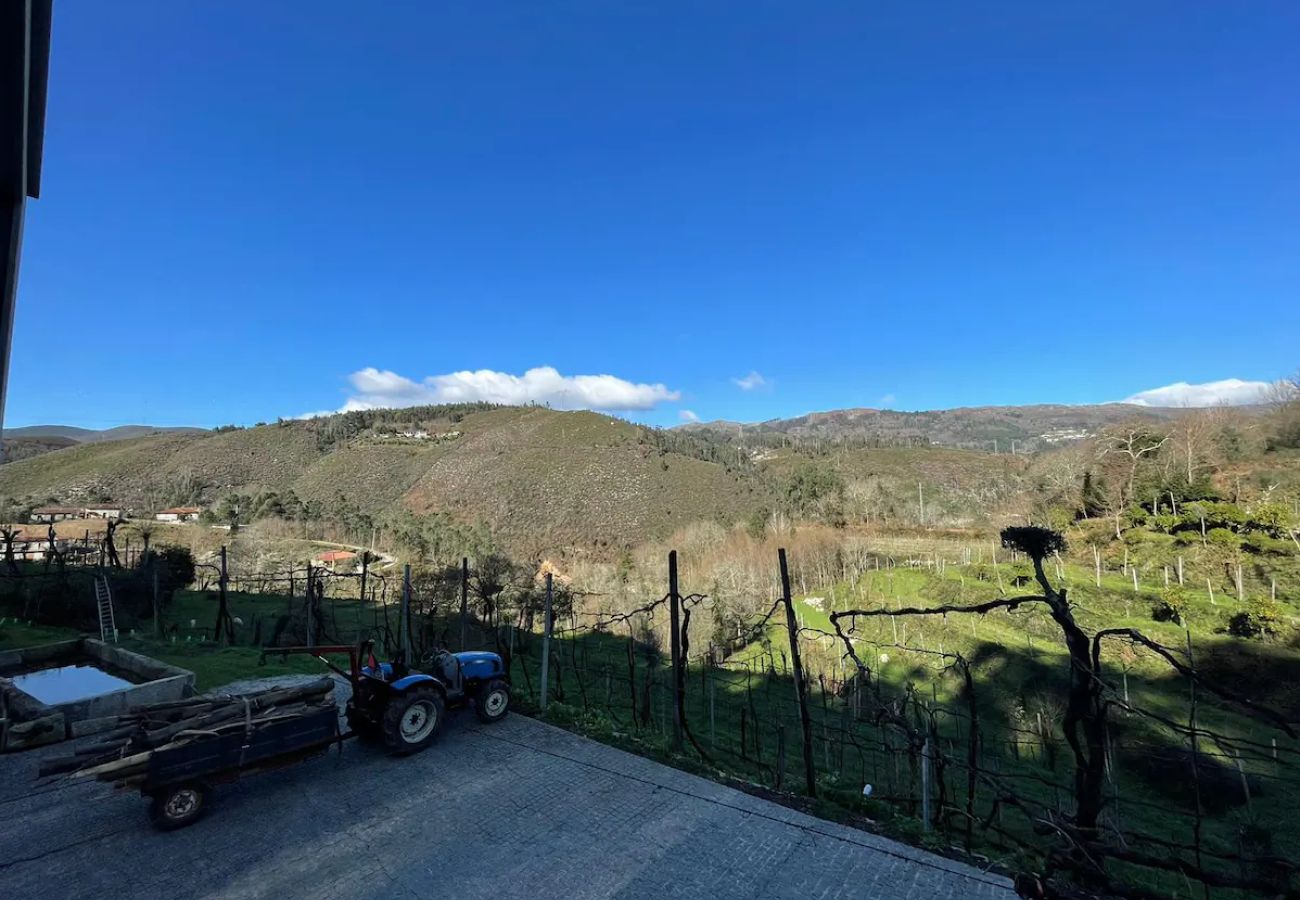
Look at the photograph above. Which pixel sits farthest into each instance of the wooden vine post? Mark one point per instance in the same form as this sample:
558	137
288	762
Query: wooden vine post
675	638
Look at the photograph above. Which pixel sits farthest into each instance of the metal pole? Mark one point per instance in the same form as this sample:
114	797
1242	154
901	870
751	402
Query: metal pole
713	729
311	631
404	628
546	643
925	785
675	611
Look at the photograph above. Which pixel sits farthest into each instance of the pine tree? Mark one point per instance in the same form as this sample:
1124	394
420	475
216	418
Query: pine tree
1093	497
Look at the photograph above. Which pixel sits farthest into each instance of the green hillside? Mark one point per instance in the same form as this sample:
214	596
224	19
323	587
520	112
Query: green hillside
537	477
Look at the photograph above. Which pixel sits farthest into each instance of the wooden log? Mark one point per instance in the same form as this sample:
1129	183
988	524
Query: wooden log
118	765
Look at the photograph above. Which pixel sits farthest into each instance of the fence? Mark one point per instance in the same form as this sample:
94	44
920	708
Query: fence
1197	792
1184	803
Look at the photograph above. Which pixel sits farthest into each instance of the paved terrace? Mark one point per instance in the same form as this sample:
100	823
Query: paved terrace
520	809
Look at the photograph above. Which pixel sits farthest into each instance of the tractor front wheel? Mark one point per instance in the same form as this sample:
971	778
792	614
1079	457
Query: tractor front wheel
412	720
493	701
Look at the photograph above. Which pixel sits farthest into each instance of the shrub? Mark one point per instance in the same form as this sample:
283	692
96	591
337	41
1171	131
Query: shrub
1222	537
1262	617
1222	514
1171	606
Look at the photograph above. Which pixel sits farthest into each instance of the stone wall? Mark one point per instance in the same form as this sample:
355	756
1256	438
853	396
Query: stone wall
27	722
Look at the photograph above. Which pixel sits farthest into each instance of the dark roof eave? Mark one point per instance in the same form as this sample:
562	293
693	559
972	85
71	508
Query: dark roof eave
38	84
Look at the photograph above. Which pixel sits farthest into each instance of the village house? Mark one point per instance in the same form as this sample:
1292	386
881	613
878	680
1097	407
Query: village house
56	513
105	511
334	560
179	514
30	544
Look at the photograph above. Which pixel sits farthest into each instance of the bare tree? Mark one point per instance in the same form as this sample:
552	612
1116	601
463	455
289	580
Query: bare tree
1129	445
1089	697
10	535
1193	435
109	548
52	554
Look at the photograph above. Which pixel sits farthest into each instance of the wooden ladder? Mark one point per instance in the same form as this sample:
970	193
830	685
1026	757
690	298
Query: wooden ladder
104	600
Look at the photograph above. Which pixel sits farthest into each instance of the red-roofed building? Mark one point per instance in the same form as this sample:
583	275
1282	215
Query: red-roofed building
333	559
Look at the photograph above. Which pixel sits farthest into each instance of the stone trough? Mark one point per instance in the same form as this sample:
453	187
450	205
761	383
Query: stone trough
71	688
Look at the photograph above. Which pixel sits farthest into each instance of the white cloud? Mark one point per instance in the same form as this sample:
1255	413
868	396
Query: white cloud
1228	392
751	382
382	389
887	401
688	415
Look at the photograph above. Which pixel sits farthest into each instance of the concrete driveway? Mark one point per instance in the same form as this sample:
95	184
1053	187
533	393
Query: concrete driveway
518	809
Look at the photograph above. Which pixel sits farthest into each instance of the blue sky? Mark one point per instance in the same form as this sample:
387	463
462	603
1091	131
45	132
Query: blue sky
261	209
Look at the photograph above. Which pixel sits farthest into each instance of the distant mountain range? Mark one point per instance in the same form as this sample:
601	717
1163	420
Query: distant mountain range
90	435
35	440
978	427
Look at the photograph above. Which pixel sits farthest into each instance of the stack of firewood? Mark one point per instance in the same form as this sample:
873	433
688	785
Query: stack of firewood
122	753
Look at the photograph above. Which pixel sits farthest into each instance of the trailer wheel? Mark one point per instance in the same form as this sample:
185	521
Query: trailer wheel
179	806
493	701
412	720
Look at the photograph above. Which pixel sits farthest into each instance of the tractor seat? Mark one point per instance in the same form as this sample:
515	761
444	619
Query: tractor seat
447	667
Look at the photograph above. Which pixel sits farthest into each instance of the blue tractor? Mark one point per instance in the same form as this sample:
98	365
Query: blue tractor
404	707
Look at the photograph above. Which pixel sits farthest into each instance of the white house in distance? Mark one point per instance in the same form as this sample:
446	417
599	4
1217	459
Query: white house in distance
105	511
179	514
56	513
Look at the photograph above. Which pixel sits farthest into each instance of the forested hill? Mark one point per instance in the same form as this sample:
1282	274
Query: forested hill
534	476
537	479
983	427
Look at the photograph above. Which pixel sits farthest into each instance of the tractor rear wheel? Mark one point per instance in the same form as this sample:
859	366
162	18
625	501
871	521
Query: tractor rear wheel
412	720
493	701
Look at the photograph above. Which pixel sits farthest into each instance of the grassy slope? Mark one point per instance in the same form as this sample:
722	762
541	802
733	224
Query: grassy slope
116	468
1020	667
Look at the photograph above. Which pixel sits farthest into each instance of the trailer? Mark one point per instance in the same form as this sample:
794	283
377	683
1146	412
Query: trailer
402	707
179	780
